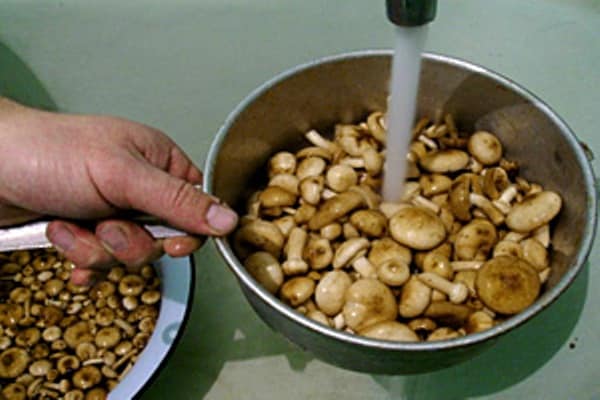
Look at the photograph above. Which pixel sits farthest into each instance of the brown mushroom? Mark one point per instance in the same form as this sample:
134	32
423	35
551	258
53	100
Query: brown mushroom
13	362
265	269
335	208
475	240
390	330
371	223
485	147
534	211
417	228
507	285
368	302
297	290
87	377
78	333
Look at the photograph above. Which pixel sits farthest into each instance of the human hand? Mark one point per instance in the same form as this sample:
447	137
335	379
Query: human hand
81	167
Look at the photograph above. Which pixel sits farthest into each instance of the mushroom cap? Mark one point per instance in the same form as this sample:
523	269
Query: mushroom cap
77	333
390	330
534	211
263	235
350	250
444	161
485	147
318	252
331	290
372	223
387	248
14	391
131	285
507	285
417	228
335	208
87	377
368	302
393	272
275	196
475	240
283	162
415	298
433	184
341	177
265	269
107	337
297	290
13	362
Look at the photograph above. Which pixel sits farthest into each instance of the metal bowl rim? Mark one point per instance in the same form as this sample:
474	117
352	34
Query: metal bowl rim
541	303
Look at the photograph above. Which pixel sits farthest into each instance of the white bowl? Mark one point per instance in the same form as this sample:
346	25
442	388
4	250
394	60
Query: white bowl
177	288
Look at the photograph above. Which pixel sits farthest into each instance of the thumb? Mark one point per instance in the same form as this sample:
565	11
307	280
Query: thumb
178	202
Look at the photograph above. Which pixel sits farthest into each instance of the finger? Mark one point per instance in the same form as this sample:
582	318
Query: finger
78	245
178	202
84	276
182	246
128	242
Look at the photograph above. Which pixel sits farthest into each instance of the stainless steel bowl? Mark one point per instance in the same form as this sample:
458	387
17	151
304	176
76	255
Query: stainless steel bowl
346	88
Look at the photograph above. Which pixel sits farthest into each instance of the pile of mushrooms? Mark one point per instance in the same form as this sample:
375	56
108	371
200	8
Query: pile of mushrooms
59	340
465	248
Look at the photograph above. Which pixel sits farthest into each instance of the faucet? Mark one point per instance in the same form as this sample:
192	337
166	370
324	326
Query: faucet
411	12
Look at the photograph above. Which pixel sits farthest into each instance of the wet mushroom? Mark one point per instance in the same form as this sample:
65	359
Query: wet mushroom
507	285
330	292
335	208
475	240
266	270
294	248
371	223
86	377
368	302
390	330
534	211
318	252
485	147
415	298
262	235
417	228
444	161
297	290
13	362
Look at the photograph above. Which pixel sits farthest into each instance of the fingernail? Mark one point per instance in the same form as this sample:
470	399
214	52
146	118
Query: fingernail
61	238
220	218
114	237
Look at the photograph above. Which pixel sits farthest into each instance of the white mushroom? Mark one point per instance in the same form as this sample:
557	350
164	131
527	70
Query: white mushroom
417	228
331	290
485	147
457	292
390	330
534	211
294	264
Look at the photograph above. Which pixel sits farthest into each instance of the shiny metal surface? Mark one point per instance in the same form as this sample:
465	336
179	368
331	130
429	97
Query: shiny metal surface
411	12
347	87
33	235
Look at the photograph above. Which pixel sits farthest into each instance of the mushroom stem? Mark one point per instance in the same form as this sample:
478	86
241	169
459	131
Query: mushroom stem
490	210
466	265
364	267
315	138
457	292
542	234
294	248
507	196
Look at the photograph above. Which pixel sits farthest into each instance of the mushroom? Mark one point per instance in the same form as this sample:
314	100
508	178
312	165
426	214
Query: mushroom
349	231
13	362
318	316
131	285
479	321
287	182
311	188
457	292
40	367
475	240
87	377
107	337
275	196
262	235
28	337
14	391
387	248
442	333
535	253
282	163
335	208
448	313
349	251
393	272
371	223
507	285
265	269
414	299
318	252
495	182
294	264
315	138
297	290
310	166
368	302
417	228
444	161
78	333
534	211
485	147
377	126
390	330
149	297
67	364
96	393
331	231
74	394
314	151
433	184
438	263
422	325
488	208
508	248
330	291
304	213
